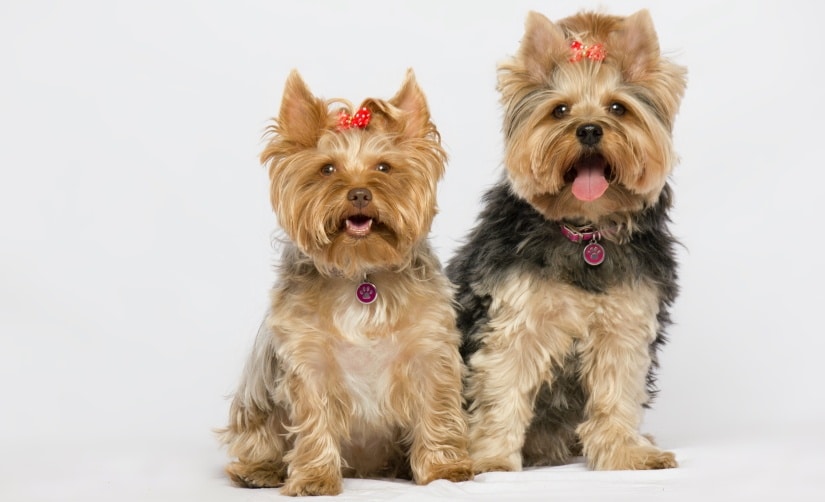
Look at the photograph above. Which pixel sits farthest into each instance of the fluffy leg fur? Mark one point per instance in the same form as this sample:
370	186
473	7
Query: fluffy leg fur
258	439
438	449
319	417
615	360
256	433
507	373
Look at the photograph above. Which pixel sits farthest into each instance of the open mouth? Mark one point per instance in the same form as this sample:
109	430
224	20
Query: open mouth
590	177
358	225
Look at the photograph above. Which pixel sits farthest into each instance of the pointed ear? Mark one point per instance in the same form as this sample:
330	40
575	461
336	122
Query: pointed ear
302	116
543	46
410	100
637	45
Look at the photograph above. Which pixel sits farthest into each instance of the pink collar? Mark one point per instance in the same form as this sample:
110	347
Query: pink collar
583	235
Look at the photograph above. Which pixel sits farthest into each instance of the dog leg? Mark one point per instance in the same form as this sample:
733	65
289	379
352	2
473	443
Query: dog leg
439	426
319	418
258	439
615	363
505	376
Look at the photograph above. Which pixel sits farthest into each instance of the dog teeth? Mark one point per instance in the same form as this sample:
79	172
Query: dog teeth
358	228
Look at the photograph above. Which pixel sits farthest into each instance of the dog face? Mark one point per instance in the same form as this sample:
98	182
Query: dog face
589	109
355	190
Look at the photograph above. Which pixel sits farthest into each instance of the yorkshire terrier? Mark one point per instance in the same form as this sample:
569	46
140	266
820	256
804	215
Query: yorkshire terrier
356	369
565	281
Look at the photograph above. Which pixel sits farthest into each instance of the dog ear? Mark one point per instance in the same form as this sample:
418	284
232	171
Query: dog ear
638	46
302	116
639	58
410	100
543	46
406	113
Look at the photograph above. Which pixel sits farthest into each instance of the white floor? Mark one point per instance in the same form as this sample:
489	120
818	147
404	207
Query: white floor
787	467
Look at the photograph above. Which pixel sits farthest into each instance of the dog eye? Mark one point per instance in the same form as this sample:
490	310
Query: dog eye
328	169
617	109
560	111
383	167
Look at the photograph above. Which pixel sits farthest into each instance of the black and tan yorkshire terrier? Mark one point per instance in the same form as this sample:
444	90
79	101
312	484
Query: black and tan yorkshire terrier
565	282
356	369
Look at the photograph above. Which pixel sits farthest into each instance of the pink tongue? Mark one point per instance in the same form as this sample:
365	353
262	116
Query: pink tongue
590	183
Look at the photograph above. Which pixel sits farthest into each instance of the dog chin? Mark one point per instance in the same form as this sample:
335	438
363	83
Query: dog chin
364	252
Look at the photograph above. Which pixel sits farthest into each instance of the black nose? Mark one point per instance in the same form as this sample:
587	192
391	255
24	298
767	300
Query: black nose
589	134
359	197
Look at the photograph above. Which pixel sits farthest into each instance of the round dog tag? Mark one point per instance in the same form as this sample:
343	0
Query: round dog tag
593	253
366	292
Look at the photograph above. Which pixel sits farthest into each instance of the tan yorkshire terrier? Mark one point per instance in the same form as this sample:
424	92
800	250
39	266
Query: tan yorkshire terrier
565	282
356	369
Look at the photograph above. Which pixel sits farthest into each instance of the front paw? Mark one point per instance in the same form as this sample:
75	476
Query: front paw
257	475
492	464
460	470
321	483
636	457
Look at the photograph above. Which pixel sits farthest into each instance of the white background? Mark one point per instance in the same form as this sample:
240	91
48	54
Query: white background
135	230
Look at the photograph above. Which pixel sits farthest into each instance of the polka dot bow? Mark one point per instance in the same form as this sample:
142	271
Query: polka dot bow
360	120
595	52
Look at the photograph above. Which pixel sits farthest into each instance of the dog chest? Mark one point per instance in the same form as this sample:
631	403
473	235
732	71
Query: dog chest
526	303
366	366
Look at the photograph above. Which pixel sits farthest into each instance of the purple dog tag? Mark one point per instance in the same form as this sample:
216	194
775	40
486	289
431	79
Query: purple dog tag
366	292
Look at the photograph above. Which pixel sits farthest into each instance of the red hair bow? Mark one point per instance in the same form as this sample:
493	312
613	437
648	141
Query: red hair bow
360	120
595	52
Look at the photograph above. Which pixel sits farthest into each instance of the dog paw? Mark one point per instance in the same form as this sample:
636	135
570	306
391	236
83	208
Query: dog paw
312	485
456	471
257	475
636	458
503	464
659	460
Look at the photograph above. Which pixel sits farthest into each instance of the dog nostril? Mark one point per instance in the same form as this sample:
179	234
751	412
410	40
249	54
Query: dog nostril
359	197
589	134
